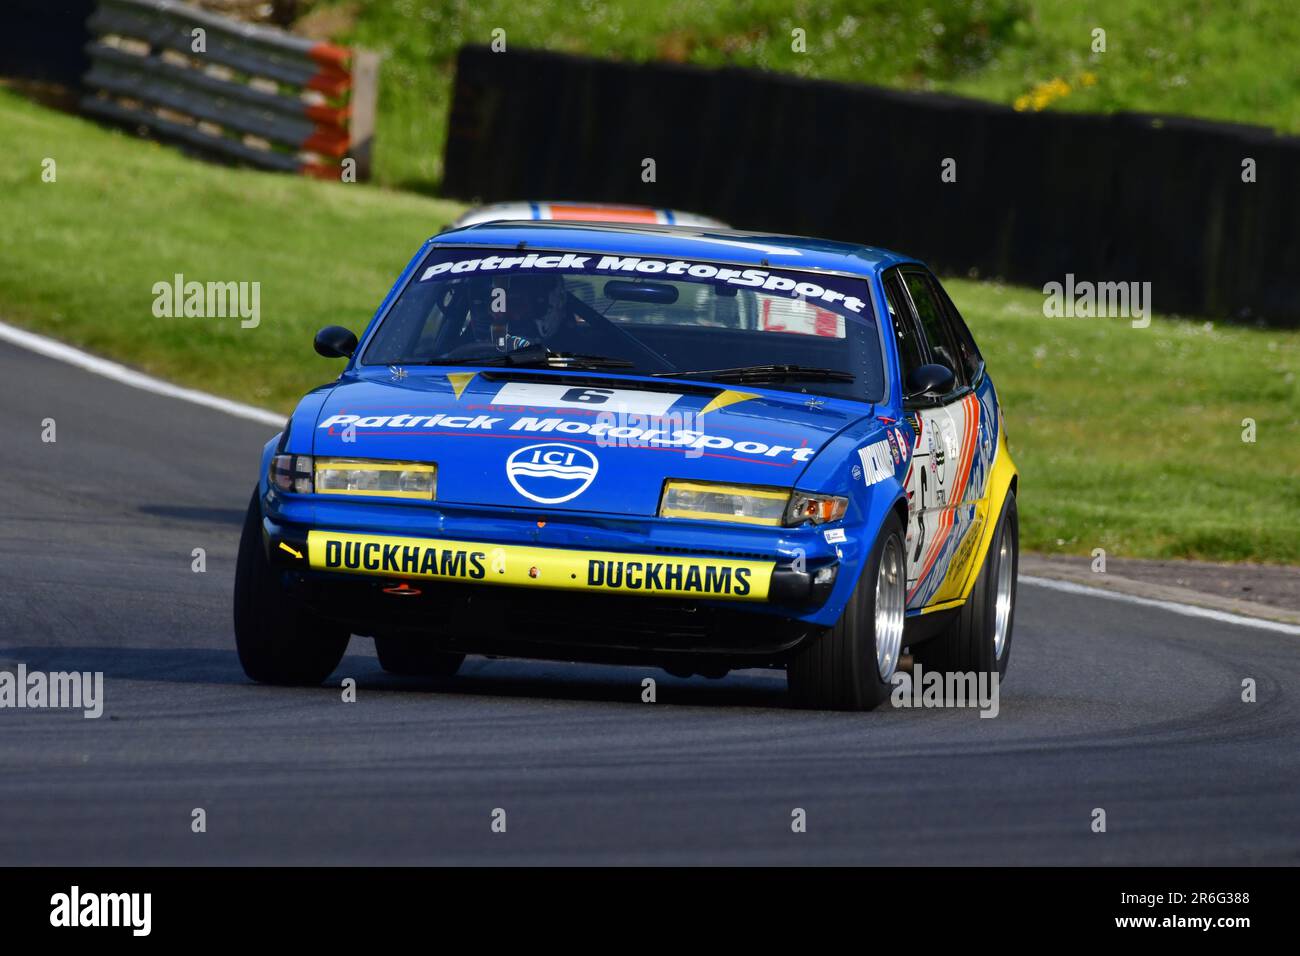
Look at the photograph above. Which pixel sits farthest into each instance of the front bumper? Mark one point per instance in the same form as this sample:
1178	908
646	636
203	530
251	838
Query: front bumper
402	563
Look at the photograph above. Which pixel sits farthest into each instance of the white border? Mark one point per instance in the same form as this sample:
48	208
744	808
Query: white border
120	373
1190	610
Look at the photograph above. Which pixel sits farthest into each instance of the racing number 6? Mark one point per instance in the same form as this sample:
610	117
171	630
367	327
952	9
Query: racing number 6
587	396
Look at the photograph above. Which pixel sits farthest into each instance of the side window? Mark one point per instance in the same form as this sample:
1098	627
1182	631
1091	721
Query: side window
911	350
934	324
970	354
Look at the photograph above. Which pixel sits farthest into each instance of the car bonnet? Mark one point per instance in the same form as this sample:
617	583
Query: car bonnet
575	441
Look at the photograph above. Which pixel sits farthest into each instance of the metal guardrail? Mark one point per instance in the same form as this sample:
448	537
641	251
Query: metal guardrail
248	93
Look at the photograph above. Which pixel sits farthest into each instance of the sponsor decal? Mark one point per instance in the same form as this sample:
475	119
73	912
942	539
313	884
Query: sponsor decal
621	400
803	289
833	535
376	556
551	473
893	447
948	431
607	431
472	422
937	458
524	566
902	442
877	462
660	576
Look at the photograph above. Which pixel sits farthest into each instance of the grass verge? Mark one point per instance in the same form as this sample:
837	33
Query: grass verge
79	256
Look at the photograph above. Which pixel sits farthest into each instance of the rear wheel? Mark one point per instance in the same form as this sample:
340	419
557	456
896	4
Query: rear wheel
979	638
279	641
850	666
413	657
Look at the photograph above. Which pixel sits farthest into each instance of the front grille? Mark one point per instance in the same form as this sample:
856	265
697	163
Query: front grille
714	553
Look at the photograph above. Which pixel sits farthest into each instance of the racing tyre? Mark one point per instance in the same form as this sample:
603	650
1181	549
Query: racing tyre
278	641
849	666
411	657
979	638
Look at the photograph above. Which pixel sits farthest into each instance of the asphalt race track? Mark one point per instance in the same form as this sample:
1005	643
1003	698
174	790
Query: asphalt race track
1132	709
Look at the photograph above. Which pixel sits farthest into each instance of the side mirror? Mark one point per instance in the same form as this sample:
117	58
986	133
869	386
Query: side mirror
334	341
929	380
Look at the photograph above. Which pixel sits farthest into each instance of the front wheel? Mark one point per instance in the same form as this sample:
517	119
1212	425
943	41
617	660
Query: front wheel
850	666
279	641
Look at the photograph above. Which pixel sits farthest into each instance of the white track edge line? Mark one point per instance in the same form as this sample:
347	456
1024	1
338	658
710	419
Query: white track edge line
1191	610
59	351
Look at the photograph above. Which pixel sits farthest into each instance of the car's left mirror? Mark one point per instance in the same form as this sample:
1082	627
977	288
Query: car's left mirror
934	379
334	341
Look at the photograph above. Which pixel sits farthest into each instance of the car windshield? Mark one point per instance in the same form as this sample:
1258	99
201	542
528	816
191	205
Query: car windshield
803	331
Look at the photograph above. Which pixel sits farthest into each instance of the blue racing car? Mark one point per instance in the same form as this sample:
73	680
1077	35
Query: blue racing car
694	448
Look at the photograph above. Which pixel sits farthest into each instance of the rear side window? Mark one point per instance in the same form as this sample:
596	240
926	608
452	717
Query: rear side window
934	323
970	353
911	350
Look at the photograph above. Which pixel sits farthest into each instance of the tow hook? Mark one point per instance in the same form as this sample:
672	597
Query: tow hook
402	589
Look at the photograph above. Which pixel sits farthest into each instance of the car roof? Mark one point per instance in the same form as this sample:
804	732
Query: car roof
573	211
769	250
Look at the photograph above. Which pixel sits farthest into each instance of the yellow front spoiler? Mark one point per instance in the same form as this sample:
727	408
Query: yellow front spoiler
523	566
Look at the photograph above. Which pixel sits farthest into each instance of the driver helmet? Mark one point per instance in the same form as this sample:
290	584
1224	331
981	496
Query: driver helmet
517	310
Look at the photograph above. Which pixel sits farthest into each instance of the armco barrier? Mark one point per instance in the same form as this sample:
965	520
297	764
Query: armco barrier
244	92
1123	197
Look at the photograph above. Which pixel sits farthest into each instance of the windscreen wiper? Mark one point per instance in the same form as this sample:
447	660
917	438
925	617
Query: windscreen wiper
575	360
765	373
533	357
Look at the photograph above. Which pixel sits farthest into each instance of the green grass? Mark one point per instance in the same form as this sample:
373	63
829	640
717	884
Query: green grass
1127	439
1226	61
1131	439
79	256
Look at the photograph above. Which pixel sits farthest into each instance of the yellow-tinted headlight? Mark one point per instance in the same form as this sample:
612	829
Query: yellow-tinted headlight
378	479
705	501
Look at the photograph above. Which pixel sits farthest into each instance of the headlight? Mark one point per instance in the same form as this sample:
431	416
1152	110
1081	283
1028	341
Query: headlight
303	475
709	502
381	479
818	509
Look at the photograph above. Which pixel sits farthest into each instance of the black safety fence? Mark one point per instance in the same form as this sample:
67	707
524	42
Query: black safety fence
45	40
1206	212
